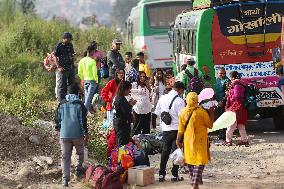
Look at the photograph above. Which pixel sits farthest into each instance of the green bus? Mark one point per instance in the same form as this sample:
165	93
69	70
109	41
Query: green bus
239	36
147	28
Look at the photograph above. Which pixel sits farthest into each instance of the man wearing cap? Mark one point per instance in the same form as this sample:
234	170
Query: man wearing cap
114	58
65	72
190	66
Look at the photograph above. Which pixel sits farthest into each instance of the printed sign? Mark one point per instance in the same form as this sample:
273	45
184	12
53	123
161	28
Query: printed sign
270	97
255	18
251	70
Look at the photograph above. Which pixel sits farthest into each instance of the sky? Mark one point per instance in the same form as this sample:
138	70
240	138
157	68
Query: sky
75	10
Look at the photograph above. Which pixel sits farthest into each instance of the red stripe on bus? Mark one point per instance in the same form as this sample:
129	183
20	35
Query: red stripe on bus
160	59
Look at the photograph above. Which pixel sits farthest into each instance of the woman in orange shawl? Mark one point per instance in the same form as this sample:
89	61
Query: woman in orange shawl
193	136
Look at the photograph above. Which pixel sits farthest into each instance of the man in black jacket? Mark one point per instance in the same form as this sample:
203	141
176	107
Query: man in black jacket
114	58
65	72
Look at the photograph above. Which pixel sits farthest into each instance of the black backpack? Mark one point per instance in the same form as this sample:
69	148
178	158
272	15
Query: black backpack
250	94
195	82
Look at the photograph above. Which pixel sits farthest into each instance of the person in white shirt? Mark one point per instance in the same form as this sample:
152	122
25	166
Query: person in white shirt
141	92
172	103
128	66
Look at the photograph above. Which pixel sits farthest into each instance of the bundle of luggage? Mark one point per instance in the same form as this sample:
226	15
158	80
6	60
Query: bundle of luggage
120	160
151	143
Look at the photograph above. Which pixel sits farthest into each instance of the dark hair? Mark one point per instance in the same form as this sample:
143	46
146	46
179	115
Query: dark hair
179	85
140	54
135	63
85	53
74	88
122	87
116	72
154	74
128	53
139	74
279	70
221	68
235	74
169	72
90	48
183	67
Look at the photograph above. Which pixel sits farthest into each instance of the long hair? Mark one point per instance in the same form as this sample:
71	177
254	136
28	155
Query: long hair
122	87
117	80
139	74
154	74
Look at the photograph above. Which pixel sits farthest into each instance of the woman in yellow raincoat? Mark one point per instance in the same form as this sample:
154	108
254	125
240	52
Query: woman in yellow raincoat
193	136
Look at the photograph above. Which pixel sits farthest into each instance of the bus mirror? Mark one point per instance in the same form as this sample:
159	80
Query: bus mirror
170	36
276	57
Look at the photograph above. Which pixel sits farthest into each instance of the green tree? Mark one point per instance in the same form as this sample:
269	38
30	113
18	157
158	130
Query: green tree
121	10
7	11
26	6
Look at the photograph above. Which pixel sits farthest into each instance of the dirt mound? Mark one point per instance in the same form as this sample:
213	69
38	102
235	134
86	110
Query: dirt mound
16	141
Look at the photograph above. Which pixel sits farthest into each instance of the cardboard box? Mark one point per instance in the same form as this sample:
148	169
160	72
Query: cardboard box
141	175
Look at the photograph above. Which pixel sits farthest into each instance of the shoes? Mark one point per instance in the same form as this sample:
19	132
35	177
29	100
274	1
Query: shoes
243	143
176	179
65	183
225	143
79	173
161	178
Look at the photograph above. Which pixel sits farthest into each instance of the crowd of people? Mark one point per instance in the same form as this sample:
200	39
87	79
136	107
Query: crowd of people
135	96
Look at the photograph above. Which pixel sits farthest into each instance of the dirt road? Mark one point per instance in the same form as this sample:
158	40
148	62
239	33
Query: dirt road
256	167
260	166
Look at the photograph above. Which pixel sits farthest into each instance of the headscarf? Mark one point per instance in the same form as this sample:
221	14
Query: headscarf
191	101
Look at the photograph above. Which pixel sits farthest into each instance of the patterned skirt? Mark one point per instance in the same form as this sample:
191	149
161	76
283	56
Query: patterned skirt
195	172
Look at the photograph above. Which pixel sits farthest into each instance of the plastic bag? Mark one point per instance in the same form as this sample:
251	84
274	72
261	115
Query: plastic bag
177	157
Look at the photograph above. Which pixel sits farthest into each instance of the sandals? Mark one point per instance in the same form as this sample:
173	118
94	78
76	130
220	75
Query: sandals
243	143
177	179
225	143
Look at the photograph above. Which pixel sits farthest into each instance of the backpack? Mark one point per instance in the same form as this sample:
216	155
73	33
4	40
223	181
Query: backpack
251	93
101	177
104	71
49	62
151	144
195	82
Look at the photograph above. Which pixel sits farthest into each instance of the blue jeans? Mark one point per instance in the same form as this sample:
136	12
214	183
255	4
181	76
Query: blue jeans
90	90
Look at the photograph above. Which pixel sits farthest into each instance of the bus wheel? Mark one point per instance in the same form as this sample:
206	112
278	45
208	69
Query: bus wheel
279	122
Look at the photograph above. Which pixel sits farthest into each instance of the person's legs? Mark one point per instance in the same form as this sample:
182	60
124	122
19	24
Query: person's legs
154	119
90	89
174	147
61	85
168	138
79	146
146	123
197	176
230	131
66	152
137	127
71	77
243	133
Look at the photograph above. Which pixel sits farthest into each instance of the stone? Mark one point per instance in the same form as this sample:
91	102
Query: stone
24	173
53	173
20	186
34	139
253	176
43	161
43	124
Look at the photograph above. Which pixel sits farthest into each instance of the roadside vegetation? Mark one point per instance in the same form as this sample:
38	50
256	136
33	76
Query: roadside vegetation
26	89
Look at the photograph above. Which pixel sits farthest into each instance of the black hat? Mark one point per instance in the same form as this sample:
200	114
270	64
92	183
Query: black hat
67	35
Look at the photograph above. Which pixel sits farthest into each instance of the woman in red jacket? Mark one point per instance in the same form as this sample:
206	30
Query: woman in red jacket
235	103
109	92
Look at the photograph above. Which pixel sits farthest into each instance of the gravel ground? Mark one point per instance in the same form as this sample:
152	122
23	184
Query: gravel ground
259	166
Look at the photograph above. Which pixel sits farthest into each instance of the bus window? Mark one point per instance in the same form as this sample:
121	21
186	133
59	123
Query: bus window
161	15
193	42
179	41
190	42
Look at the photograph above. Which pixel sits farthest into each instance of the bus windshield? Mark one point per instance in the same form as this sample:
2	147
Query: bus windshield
162	15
